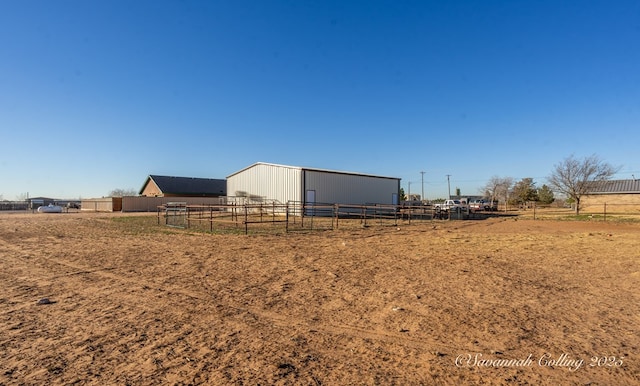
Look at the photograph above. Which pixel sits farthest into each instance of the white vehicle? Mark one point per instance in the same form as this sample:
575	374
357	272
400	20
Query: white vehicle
483	205
449	205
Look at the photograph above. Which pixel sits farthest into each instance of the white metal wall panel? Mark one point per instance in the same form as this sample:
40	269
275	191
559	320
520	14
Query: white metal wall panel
272	182
345	188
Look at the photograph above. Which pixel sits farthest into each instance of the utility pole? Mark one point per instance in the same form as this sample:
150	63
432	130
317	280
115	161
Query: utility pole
422	196
409	195
449	185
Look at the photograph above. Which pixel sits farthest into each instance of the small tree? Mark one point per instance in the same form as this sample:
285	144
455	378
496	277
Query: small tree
403	196
573	177
545	195
524	191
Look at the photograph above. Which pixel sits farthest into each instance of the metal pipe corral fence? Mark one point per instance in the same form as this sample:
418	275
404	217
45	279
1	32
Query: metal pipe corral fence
294	216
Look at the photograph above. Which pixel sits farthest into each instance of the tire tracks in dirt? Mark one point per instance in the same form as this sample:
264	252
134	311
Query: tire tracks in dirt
45	269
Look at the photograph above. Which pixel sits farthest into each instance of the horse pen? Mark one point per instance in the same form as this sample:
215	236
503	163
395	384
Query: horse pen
295	216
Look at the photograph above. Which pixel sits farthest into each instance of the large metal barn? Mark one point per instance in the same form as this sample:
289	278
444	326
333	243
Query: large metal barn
283	184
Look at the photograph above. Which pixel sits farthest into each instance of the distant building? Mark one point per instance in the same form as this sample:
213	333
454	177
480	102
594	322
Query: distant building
619	195
166	186
35	202
413	197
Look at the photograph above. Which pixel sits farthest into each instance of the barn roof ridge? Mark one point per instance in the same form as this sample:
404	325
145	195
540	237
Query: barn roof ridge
312	169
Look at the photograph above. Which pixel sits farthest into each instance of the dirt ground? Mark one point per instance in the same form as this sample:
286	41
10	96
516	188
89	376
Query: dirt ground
500	301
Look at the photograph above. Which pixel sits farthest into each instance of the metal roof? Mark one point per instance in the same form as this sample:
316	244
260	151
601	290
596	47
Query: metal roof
188	186
615	186
311	169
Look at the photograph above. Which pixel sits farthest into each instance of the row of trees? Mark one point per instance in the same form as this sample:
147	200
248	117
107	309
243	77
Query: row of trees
123	192
572	178
518	193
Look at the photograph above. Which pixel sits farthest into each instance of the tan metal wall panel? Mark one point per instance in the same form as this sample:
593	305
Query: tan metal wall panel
107	204
150	204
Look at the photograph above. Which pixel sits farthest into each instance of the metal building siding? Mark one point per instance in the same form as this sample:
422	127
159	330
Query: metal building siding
331	187
276	182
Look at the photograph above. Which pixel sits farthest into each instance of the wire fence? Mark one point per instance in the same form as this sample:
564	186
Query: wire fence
598	212
14	205
32	205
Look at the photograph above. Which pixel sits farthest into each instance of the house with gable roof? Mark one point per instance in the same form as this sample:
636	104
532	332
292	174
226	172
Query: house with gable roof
167	186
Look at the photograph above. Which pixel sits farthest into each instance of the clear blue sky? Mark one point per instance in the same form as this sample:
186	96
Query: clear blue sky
96	95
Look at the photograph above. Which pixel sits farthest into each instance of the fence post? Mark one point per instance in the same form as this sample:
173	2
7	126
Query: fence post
395	215
605	211
246	220
294	211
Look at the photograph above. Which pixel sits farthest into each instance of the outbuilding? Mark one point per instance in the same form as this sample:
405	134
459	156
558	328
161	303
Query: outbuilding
621	196
168	186
283	184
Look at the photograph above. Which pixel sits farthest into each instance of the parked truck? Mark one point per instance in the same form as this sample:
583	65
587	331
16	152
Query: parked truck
449	205
483	205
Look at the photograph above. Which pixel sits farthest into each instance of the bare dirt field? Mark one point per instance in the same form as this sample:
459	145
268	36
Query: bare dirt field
500	301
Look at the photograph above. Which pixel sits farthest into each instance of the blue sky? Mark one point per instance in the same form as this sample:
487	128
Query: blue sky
96	95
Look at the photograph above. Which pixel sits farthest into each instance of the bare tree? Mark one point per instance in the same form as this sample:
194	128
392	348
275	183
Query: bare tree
490	188
498	187
573	177
123	192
